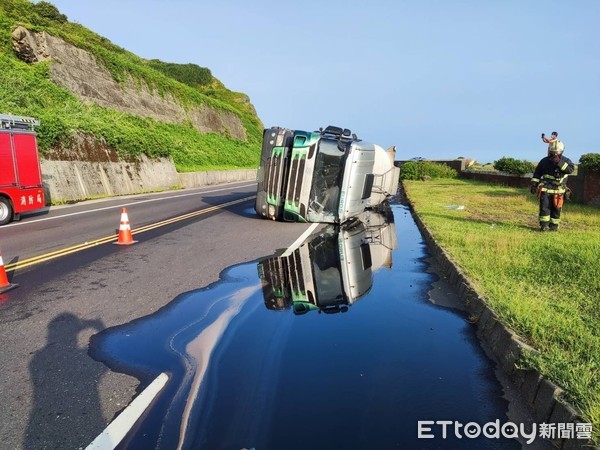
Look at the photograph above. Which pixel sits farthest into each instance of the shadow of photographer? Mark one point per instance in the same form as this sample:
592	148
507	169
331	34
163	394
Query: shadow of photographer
66	407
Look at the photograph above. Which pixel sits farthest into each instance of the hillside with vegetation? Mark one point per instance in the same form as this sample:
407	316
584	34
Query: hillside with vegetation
29	87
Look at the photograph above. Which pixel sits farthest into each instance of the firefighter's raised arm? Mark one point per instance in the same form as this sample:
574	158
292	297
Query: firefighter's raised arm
553	138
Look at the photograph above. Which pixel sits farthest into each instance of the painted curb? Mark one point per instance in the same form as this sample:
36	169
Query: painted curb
541	396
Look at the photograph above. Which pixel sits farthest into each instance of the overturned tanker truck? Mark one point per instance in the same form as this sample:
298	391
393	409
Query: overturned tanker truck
322	176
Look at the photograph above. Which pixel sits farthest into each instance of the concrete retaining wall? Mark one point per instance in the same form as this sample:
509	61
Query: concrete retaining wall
542	396
68	181
198	179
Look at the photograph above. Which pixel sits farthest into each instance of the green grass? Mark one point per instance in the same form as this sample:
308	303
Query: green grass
26	89
190	74
543	285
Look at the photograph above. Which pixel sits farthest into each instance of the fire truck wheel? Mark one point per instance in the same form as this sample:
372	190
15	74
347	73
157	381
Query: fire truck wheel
6	211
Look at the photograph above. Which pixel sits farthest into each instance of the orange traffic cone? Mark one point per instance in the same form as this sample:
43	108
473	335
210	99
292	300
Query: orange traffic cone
5	285
125	237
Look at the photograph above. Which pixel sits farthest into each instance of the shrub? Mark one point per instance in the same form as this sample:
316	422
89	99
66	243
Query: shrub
190	74
514	166
417	170
590	161
49	11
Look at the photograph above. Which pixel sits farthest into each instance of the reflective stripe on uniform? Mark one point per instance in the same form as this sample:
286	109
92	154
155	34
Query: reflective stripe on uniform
554	221
544	218
559	190
564	166
553	178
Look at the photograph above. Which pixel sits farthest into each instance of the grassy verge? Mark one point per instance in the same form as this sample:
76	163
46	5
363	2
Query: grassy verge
543	285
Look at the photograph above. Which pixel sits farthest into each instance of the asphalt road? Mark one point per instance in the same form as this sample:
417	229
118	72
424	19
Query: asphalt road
63	226
53	395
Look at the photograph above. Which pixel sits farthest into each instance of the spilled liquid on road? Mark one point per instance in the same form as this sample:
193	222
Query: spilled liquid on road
334	346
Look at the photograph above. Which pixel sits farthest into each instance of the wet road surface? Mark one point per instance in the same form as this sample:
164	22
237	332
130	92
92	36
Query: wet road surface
332	346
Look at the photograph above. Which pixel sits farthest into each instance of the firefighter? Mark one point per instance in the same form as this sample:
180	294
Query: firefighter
549	182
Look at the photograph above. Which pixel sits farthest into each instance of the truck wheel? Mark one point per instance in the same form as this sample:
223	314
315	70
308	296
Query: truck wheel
6	211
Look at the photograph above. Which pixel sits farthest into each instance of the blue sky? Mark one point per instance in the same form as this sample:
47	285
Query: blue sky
436	78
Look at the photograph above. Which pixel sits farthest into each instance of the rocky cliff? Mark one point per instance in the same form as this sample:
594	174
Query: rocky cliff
79	71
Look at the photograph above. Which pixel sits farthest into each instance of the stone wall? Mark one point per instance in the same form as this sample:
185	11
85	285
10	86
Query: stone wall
577	186
456	164
499	178
591	187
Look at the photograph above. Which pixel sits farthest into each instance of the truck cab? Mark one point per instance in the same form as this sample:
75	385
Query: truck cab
323	176
21	186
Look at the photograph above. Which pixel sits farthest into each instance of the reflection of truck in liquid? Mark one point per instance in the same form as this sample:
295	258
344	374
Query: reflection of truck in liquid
20	175
323	176
331	269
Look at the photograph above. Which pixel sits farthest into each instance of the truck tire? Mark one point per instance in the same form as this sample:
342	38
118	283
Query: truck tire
6	211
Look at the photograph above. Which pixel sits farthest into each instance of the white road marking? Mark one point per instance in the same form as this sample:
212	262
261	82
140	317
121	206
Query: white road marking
16	224
118	428
300	240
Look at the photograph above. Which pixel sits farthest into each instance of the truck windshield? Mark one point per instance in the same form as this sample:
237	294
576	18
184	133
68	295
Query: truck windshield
325	189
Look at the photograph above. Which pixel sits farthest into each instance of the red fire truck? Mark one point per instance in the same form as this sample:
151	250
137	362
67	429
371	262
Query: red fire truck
20	174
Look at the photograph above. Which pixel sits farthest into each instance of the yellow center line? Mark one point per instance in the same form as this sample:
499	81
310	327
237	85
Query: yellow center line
76	248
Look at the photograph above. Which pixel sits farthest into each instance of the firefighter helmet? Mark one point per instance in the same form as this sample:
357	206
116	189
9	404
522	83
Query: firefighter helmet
556	147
